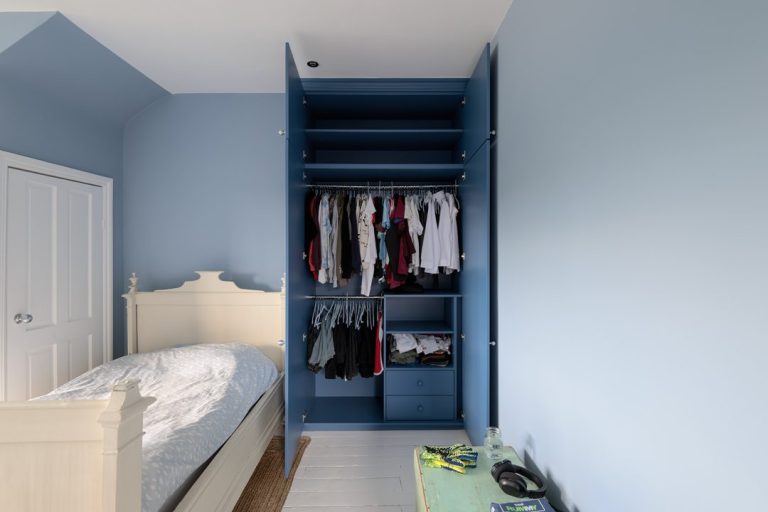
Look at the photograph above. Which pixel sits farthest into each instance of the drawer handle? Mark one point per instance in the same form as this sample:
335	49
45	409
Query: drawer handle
420	408
420	383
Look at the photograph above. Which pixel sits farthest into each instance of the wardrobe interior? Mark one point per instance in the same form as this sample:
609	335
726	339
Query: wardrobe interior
391	139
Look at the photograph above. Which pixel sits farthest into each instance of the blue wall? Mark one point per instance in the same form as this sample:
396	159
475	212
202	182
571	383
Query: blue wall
64	98
632	244
204	190
15	25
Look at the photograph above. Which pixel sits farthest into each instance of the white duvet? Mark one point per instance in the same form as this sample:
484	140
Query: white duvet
203	392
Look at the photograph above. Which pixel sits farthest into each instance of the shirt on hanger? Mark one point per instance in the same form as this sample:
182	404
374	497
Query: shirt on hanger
367	245
430	249
326	231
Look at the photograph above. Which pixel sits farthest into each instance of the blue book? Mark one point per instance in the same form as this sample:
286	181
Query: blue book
537	505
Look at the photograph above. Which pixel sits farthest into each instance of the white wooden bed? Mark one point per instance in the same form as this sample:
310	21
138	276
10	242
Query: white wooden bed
86	455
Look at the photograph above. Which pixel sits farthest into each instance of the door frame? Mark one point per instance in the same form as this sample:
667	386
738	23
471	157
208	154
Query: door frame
13	161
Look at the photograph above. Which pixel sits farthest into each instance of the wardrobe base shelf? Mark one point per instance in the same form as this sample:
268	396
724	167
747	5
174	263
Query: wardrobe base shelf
363	413
387	425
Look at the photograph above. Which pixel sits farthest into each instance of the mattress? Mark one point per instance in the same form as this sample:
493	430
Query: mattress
203	392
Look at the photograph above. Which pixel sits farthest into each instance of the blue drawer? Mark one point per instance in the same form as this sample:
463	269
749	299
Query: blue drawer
419	382
417	408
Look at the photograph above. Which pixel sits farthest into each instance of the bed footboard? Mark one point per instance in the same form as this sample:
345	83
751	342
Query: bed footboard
71	455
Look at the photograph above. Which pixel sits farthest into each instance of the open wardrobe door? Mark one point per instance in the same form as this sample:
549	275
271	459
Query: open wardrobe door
299	383
476	238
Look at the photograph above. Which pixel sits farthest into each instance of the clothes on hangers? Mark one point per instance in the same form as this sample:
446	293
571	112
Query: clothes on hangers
345	260
342	338
354	234
415	230
430	247
326	231
440	247
448	232
335	241
367	244
378	367
320	347
312	234
385	235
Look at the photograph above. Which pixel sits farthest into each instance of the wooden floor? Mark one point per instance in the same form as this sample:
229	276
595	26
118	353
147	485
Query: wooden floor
366	471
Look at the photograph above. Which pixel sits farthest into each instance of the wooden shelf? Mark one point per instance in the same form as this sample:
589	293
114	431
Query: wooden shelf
394	367
384	172
417	327
384	139
430	294
338	409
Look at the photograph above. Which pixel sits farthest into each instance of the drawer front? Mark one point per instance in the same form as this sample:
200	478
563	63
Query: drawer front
416	408
420	382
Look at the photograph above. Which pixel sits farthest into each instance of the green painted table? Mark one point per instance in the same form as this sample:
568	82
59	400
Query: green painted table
441	490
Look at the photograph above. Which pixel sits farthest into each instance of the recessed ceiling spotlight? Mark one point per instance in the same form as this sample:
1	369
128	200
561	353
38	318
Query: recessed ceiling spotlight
312	63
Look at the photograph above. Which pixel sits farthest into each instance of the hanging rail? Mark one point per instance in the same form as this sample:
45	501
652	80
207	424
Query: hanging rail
344	297
379	186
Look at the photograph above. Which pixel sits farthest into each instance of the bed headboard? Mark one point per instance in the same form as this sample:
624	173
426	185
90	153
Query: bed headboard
206	310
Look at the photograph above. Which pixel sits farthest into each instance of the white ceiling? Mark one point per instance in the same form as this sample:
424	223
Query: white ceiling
237	45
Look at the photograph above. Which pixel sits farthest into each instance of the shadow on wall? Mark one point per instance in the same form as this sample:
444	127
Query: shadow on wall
555	495
249	281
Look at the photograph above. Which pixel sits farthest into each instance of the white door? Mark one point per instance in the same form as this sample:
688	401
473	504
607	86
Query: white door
55	324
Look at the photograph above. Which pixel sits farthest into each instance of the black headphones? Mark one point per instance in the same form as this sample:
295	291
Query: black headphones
510	479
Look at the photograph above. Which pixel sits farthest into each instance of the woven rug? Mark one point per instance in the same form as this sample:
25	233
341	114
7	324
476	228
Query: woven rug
267	489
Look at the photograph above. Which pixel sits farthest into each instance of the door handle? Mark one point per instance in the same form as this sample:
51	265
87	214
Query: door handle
22	318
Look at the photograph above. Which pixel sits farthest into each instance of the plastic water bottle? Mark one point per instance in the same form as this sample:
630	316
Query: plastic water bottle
494	445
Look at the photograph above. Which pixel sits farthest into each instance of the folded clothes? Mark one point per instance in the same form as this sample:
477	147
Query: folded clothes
405	342
426	349
428	343
404	358
440	358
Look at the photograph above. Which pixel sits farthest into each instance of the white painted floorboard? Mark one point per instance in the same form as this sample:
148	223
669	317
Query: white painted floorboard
365	471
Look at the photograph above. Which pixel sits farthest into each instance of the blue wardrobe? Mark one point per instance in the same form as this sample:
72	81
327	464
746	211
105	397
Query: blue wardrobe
393	131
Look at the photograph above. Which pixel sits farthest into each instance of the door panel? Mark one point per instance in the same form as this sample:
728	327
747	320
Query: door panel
40	372
476	112
80	355
80	259
299	382
475	289
55	246
40	237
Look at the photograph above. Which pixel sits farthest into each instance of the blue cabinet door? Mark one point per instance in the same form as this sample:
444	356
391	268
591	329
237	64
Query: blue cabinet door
299	382
476	295
476	111
474	279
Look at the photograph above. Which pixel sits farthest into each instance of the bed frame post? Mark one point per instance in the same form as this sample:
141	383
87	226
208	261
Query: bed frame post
122	421
130	309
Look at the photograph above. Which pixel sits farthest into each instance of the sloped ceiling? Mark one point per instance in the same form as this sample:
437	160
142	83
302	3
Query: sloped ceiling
15	25
56	59
237	45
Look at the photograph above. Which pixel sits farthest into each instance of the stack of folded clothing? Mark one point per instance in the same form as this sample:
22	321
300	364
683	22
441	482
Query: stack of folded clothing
440	358
434	350
402	348
427	349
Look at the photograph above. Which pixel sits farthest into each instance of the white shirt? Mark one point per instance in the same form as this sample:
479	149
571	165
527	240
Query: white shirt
430	250
326	231
367	244
448	232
